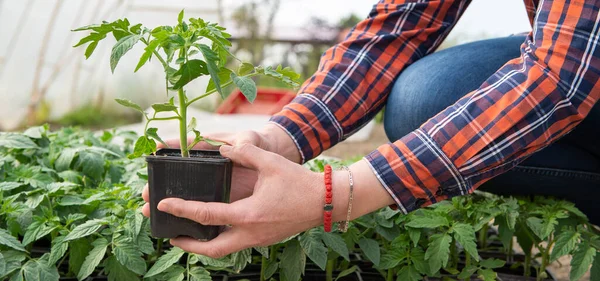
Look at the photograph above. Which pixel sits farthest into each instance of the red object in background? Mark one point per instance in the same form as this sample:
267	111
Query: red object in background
268	102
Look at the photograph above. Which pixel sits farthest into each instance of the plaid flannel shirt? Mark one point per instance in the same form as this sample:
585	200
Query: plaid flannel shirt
527	104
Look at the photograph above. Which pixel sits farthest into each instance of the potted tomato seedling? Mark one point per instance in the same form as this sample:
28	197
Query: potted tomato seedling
187	51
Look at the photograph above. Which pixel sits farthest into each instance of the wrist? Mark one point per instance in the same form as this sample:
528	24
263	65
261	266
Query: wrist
281	143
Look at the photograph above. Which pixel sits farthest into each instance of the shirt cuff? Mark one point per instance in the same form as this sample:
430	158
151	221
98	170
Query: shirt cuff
416	172
311	125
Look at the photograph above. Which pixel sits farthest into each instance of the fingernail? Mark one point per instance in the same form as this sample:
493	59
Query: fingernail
226	148
163	206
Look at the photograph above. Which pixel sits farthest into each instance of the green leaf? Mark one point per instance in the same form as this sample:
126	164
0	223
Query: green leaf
224	77
91	164
313	247
17	276
117	272
147	55
199	274
85	229
264	251
36	270
428	220
467	272
153	133
173	273
346	272
438	251
192	125
32	232
8	186
241	259
2	265
565	244
93	259
16	141
246	86
465	235
165	261
143	146
271	269
63	162
371	249
163	107
190	71
492	263
213	142
245	68
58	250
10	241
130	104
78	250
129	256
415	235
90	49
336	243
211	63
542	228
582	259
121	48
595	271
409	273
180	17
293	261
487	274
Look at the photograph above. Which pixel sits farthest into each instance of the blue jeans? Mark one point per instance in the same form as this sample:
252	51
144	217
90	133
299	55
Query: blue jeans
568	169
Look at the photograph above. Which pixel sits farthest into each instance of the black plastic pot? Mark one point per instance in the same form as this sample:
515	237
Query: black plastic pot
204	176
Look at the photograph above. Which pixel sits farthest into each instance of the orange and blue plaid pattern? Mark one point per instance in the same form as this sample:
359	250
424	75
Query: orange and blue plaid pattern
527	104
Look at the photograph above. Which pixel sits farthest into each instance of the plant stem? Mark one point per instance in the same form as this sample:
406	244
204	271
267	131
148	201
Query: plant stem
159	246
390	275
263	268
483	236
329	270
454	254
467	264
528	265
183	124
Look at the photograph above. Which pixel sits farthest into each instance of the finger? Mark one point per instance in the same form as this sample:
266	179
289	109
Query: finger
146	193
146	210
206	213
249	156
230	241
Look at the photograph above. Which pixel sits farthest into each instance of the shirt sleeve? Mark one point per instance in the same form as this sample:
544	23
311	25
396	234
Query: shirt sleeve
526	105
355	77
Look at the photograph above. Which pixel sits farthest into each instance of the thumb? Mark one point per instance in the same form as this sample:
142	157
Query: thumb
248	156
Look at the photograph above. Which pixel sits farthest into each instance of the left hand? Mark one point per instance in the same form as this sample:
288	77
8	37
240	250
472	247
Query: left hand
287	200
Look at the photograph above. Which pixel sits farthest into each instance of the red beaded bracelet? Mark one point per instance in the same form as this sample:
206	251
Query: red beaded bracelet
328	207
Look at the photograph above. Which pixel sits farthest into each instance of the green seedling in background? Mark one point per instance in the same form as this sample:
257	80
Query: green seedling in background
186	51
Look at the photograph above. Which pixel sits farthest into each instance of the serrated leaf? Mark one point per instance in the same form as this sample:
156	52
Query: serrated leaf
63	162
78	250
32	232
582	259
246	86
10	241
293	261
371	249
492	263
415	235
93	259
117	272
429	220
2	265
211	63
91	164
565	244
58	250
190	71
173	273
347	272
467	272
153	133
85	229
241	259
438	251
130	104
409	273
245	68
147	55
336	243
165	261
8	186
18	141
264	251
271	269
487	274
121	48
199	274
129	256
36	270
224	77
313	247
465	235
143	146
